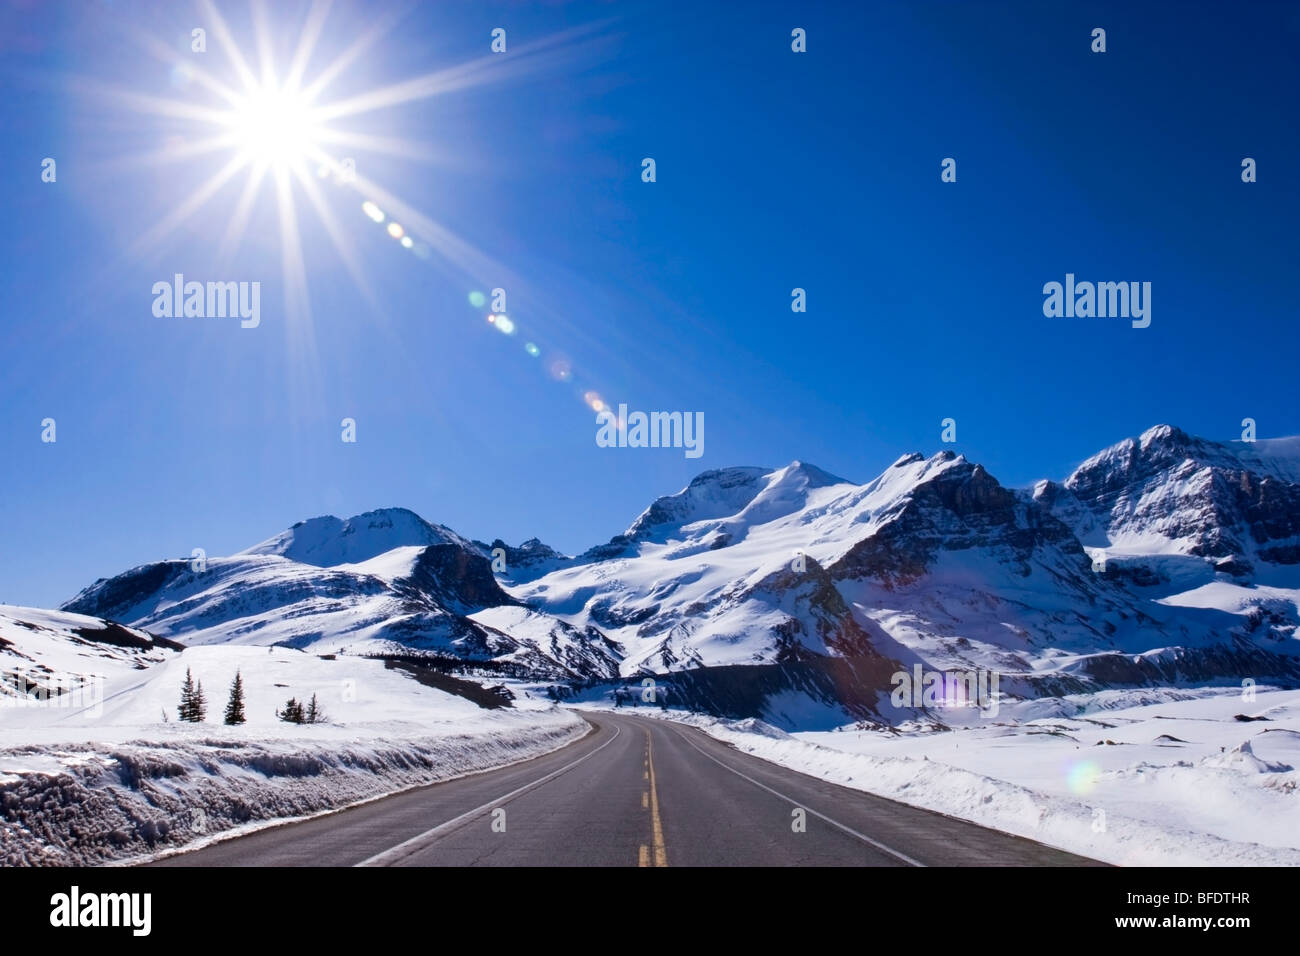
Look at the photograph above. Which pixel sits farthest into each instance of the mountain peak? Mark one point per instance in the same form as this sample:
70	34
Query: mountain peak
1173	492
717	493
1163	435
744	490
327	541
816	477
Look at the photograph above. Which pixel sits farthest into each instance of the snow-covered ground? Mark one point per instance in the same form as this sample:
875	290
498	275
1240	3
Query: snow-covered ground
103	775
1137	778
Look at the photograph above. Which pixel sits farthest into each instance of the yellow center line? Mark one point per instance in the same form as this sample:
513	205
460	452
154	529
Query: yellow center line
661	852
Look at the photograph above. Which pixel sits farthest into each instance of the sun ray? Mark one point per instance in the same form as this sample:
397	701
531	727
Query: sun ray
297	300
345	59
154	105
307	43
528	58
389	145
236	58
303	371
164	227
335	232
174	152
234	234
166	54
262	37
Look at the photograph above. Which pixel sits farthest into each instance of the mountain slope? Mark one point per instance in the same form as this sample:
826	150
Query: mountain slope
45	654
412	597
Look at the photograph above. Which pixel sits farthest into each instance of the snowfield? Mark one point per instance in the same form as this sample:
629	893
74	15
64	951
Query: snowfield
1155	777
107	779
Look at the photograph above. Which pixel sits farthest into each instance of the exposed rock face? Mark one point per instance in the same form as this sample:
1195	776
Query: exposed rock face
1198	497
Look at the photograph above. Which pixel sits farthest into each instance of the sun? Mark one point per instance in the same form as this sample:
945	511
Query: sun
275	125
271	113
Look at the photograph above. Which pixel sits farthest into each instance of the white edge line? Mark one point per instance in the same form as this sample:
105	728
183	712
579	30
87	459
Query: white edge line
407	847
821	816
257	826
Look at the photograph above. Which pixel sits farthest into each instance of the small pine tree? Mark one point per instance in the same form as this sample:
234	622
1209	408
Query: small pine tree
293	712
314	714
200	704
186	711
235	706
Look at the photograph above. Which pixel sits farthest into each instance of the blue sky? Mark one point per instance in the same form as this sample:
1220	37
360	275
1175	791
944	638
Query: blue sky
775	170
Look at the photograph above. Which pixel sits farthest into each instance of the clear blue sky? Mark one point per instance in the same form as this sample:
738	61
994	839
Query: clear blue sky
775	170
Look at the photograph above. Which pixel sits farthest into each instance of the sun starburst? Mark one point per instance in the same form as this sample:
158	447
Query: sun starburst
279	129
280	132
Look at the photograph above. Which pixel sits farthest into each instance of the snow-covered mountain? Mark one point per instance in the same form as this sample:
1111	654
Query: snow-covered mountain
936	562
385	581
1167	492
1165	559
44	654
327	541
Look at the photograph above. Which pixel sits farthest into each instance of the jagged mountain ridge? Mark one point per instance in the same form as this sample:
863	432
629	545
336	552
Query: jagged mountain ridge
933	561
936	561
1167	491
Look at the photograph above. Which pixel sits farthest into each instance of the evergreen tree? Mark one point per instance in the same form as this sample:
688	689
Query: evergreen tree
186	710
314	714
200	704
235	706
293	712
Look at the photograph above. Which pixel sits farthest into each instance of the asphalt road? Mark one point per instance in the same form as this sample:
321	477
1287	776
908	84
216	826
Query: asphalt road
633	792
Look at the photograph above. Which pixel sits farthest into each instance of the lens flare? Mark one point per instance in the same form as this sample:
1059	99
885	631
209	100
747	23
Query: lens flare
181	76
373	211
395	230
532	349
1082	777
477	299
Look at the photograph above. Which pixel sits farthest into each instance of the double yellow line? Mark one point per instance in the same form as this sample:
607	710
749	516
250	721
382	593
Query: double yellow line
657	829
